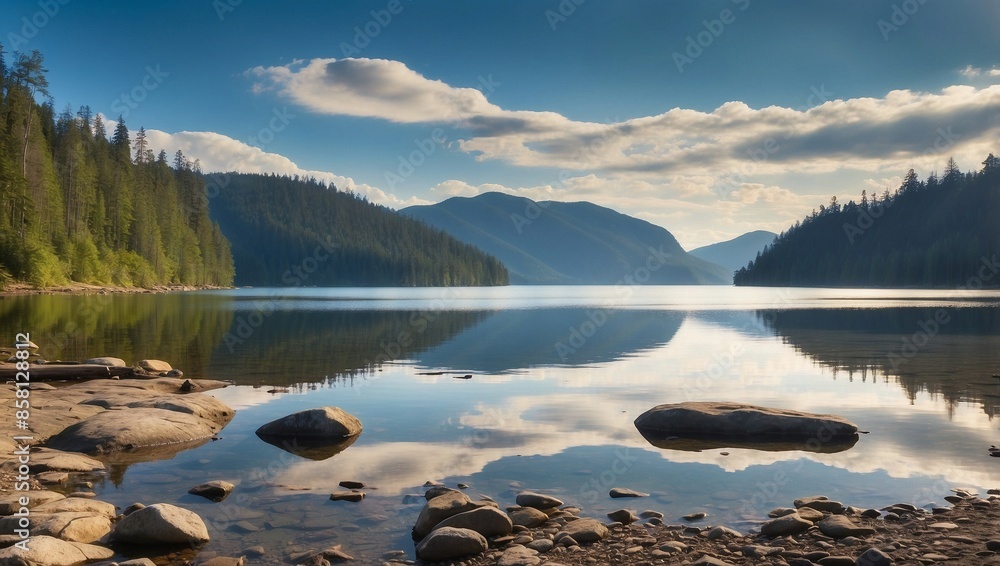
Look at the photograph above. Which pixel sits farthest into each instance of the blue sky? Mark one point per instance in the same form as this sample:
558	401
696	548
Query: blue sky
710	118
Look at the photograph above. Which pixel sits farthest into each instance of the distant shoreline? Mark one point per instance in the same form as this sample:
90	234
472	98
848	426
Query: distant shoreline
22	289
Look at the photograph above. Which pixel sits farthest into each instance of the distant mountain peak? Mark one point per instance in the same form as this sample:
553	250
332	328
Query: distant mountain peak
555	242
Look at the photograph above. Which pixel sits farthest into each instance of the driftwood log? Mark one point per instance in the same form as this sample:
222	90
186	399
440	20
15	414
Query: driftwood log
54	372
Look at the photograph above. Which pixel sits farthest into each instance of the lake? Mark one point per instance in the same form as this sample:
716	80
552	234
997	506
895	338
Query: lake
558	374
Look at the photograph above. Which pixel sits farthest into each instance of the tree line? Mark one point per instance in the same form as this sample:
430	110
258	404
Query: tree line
79	205
291	231
938	232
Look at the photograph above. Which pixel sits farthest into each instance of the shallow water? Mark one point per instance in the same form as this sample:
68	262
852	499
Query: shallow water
558	376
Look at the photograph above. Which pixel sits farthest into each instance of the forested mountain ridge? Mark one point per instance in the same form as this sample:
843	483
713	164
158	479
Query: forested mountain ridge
78	206
544	243
941	232
291	231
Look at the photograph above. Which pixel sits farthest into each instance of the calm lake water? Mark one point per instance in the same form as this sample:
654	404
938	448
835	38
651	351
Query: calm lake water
558	374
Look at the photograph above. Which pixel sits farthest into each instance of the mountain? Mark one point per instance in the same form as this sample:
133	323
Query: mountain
941	232
568	242
736	253
291	232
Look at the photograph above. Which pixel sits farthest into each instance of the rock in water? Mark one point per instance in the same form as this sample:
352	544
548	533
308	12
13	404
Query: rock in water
439	509
215	490
161	523
111	431
617	492
447	543
326	422
741	422
623	516
537	500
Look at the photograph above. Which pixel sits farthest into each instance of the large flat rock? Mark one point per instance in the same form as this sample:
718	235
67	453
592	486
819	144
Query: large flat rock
132	428
741	422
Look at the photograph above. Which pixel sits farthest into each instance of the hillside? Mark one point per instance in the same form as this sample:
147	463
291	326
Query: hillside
567	243
286	231
734	254
934	233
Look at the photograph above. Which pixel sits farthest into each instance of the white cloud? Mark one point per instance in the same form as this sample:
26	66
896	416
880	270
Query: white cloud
868	134
220	153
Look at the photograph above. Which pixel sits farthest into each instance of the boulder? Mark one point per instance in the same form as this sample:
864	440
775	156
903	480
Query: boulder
785	525
54	552
161	523
742	422
113	430
324	422
874	557
537	500
439	509
154	366
528	517
215	490
487	521
448	543
584	530
107	361
839	526
722	532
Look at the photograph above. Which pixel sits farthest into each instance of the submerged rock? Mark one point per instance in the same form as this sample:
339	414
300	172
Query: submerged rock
113	430
215	490
537	500
741	422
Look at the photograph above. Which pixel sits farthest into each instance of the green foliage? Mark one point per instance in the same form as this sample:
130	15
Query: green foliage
933	233
290	231
74	205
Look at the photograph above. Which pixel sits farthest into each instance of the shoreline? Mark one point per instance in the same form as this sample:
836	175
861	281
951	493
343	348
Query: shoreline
24	289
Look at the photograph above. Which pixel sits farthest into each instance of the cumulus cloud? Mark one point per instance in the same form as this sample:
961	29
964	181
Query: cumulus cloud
219	153
868	134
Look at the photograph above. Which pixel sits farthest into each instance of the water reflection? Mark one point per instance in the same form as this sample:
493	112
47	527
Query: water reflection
951	352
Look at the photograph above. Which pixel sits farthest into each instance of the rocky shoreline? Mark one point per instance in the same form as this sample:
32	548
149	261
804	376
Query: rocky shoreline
967	532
